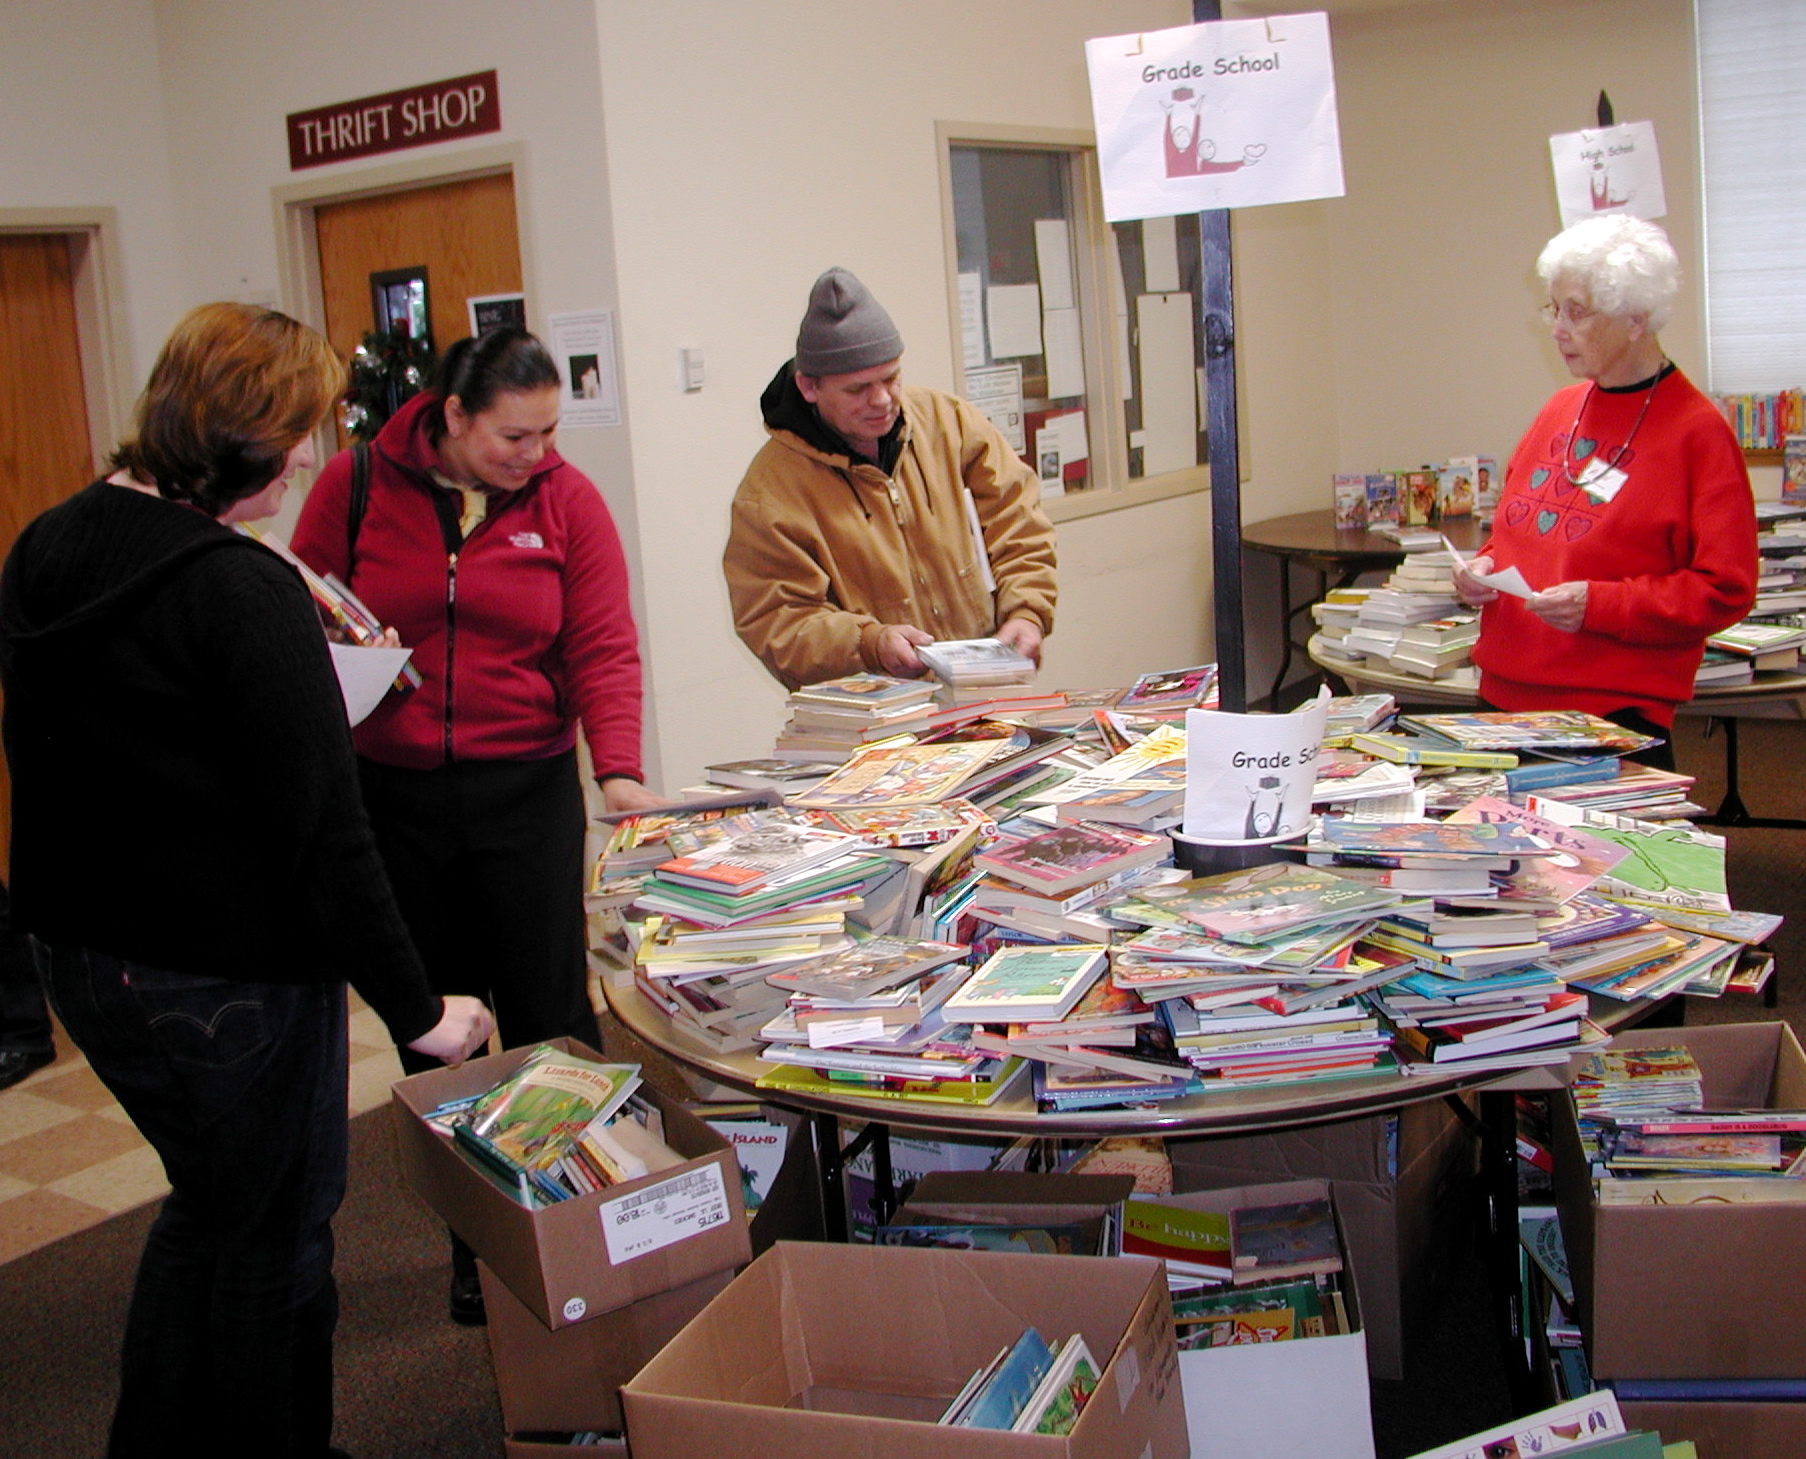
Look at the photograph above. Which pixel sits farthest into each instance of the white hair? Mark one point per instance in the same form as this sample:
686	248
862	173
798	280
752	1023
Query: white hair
1626	265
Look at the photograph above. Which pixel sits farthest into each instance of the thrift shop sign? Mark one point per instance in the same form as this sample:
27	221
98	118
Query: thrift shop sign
439	111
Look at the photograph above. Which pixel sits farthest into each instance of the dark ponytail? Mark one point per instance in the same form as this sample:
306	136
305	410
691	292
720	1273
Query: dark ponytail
478	368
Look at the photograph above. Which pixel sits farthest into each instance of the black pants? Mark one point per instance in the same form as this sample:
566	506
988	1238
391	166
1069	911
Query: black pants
240	1089
24	1020
486	857
1659	756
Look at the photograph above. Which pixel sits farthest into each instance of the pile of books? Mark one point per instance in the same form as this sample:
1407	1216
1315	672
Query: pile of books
974	668
1030	1387
1462	486
829	721
1682	1157
559	1126
1763	421
1254	1274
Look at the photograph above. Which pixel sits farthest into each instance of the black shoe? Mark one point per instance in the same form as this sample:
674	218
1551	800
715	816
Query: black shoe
15	1064
467	1300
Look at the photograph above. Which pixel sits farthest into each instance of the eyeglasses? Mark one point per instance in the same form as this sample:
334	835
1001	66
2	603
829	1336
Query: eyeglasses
1571	314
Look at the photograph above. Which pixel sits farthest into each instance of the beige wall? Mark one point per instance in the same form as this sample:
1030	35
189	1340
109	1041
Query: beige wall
81	111
751	147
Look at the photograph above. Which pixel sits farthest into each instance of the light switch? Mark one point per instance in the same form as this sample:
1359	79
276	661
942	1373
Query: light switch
694	369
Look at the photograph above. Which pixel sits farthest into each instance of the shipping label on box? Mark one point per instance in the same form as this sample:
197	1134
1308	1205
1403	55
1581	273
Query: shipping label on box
655	1216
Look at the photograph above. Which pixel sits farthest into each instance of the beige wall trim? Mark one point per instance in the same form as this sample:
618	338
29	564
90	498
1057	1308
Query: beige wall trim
102	323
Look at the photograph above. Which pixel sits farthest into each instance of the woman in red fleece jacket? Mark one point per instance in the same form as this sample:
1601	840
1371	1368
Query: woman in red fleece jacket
498	565
1626	505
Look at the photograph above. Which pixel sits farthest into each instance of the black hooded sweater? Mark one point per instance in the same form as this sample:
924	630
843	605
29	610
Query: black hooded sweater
184	789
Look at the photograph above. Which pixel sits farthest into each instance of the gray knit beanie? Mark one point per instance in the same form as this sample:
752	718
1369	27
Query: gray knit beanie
845	330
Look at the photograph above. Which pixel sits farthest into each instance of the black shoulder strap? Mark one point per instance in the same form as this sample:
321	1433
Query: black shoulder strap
360	499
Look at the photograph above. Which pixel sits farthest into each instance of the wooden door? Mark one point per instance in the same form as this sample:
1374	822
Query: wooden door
463	232
45	454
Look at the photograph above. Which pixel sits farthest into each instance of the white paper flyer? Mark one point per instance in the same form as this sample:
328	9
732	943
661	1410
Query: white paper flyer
1248	777
1608	170
1228	114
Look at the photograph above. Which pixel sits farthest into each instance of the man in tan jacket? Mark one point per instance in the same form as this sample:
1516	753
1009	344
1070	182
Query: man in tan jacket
879	516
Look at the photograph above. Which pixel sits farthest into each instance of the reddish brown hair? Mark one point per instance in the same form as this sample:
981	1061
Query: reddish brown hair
234	389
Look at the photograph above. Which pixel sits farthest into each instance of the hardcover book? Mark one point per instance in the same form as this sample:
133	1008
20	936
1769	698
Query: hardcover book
1027	983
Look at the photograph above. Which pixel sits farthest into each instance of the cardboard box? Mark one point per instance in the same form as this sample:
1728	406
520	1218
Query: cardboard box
1279	1400
569	1378
1024	1198
1725	1430
590	1254
1395	1179
1696	1291
826	1352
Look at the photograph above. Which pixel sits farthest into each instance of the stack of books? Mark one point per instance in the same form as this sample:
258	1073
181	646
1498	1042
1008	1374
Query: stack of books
1336	615
1681	1156
829	721
1028	1388
1142	786
559	1126
1439	649
974	668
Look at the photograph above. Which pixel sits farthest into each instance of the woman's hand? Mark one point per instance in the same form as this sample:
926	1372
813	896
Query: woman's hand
621	794
1475	595
1563	606
390	639
462	1029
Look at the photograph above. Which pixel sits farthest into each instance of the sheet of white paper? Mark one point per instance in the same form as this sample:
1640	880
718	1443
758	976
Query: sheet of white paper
996	392
365	675
1065	355
1013	313
1227	114
1248	777
1074	445
1608	170
1053	261
1160	254
1169	419
1049	468
835	1032
583	346
972	320
1506	580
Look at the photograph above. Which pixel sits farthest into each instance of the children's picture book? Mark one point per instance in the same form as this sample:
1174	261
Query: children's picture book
1005	1393
1547	729
1432	838
1171	689
866	969
1382	499
1028	982
975	661
893	826
901	775
1455	487
1294	1238
1191	1243
1054	1406
1071	856
1583	858
1589	1419
551	1094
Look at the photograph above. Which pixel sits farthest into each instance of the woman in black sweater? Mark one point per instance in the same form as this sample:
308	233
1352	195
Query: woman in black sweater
190	850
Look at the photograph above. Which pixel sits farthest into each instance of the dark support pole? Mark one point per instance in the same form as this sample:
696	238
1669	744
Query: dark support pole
1217	304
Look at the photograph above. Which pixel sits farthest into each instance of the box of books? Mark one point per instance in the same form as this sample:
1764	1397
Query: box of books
568	1379
825	1351
1392	1175
1721	1429
1013	1210
1696	1270
1273	1316
568	1259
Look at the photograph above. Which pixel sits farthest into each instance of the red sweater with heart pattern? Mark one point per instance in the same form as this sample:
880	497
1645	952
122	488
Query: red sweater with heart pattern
1669	559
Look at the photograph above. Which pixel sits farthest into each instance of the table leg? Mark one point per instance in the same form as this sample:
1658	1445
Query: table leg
1731	810
1285	633
832	1159
1499	1183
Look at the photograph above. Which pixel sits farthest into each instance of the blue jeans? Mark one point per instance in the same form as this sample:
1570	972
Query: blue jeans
240	1088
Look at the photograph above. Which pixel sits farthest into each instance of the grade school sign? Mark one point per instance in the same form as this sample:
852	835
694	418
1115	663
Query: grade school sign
439	111
1228	114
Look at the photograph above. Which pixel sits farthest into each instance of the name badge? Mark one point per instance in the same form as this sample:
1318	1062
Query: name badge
1601	481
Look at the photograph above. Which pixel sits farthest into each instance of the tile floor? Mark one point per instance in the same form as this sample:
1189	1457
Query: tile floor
69	1157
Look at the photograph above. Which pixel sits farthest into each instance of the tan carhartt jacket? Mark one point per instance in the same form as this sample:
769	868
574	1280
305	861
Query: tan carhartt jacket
826	550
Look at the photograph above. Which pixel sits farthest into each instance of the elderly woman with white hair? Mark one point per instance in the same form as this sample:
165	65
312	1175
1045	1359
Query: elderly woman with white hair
1626	505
